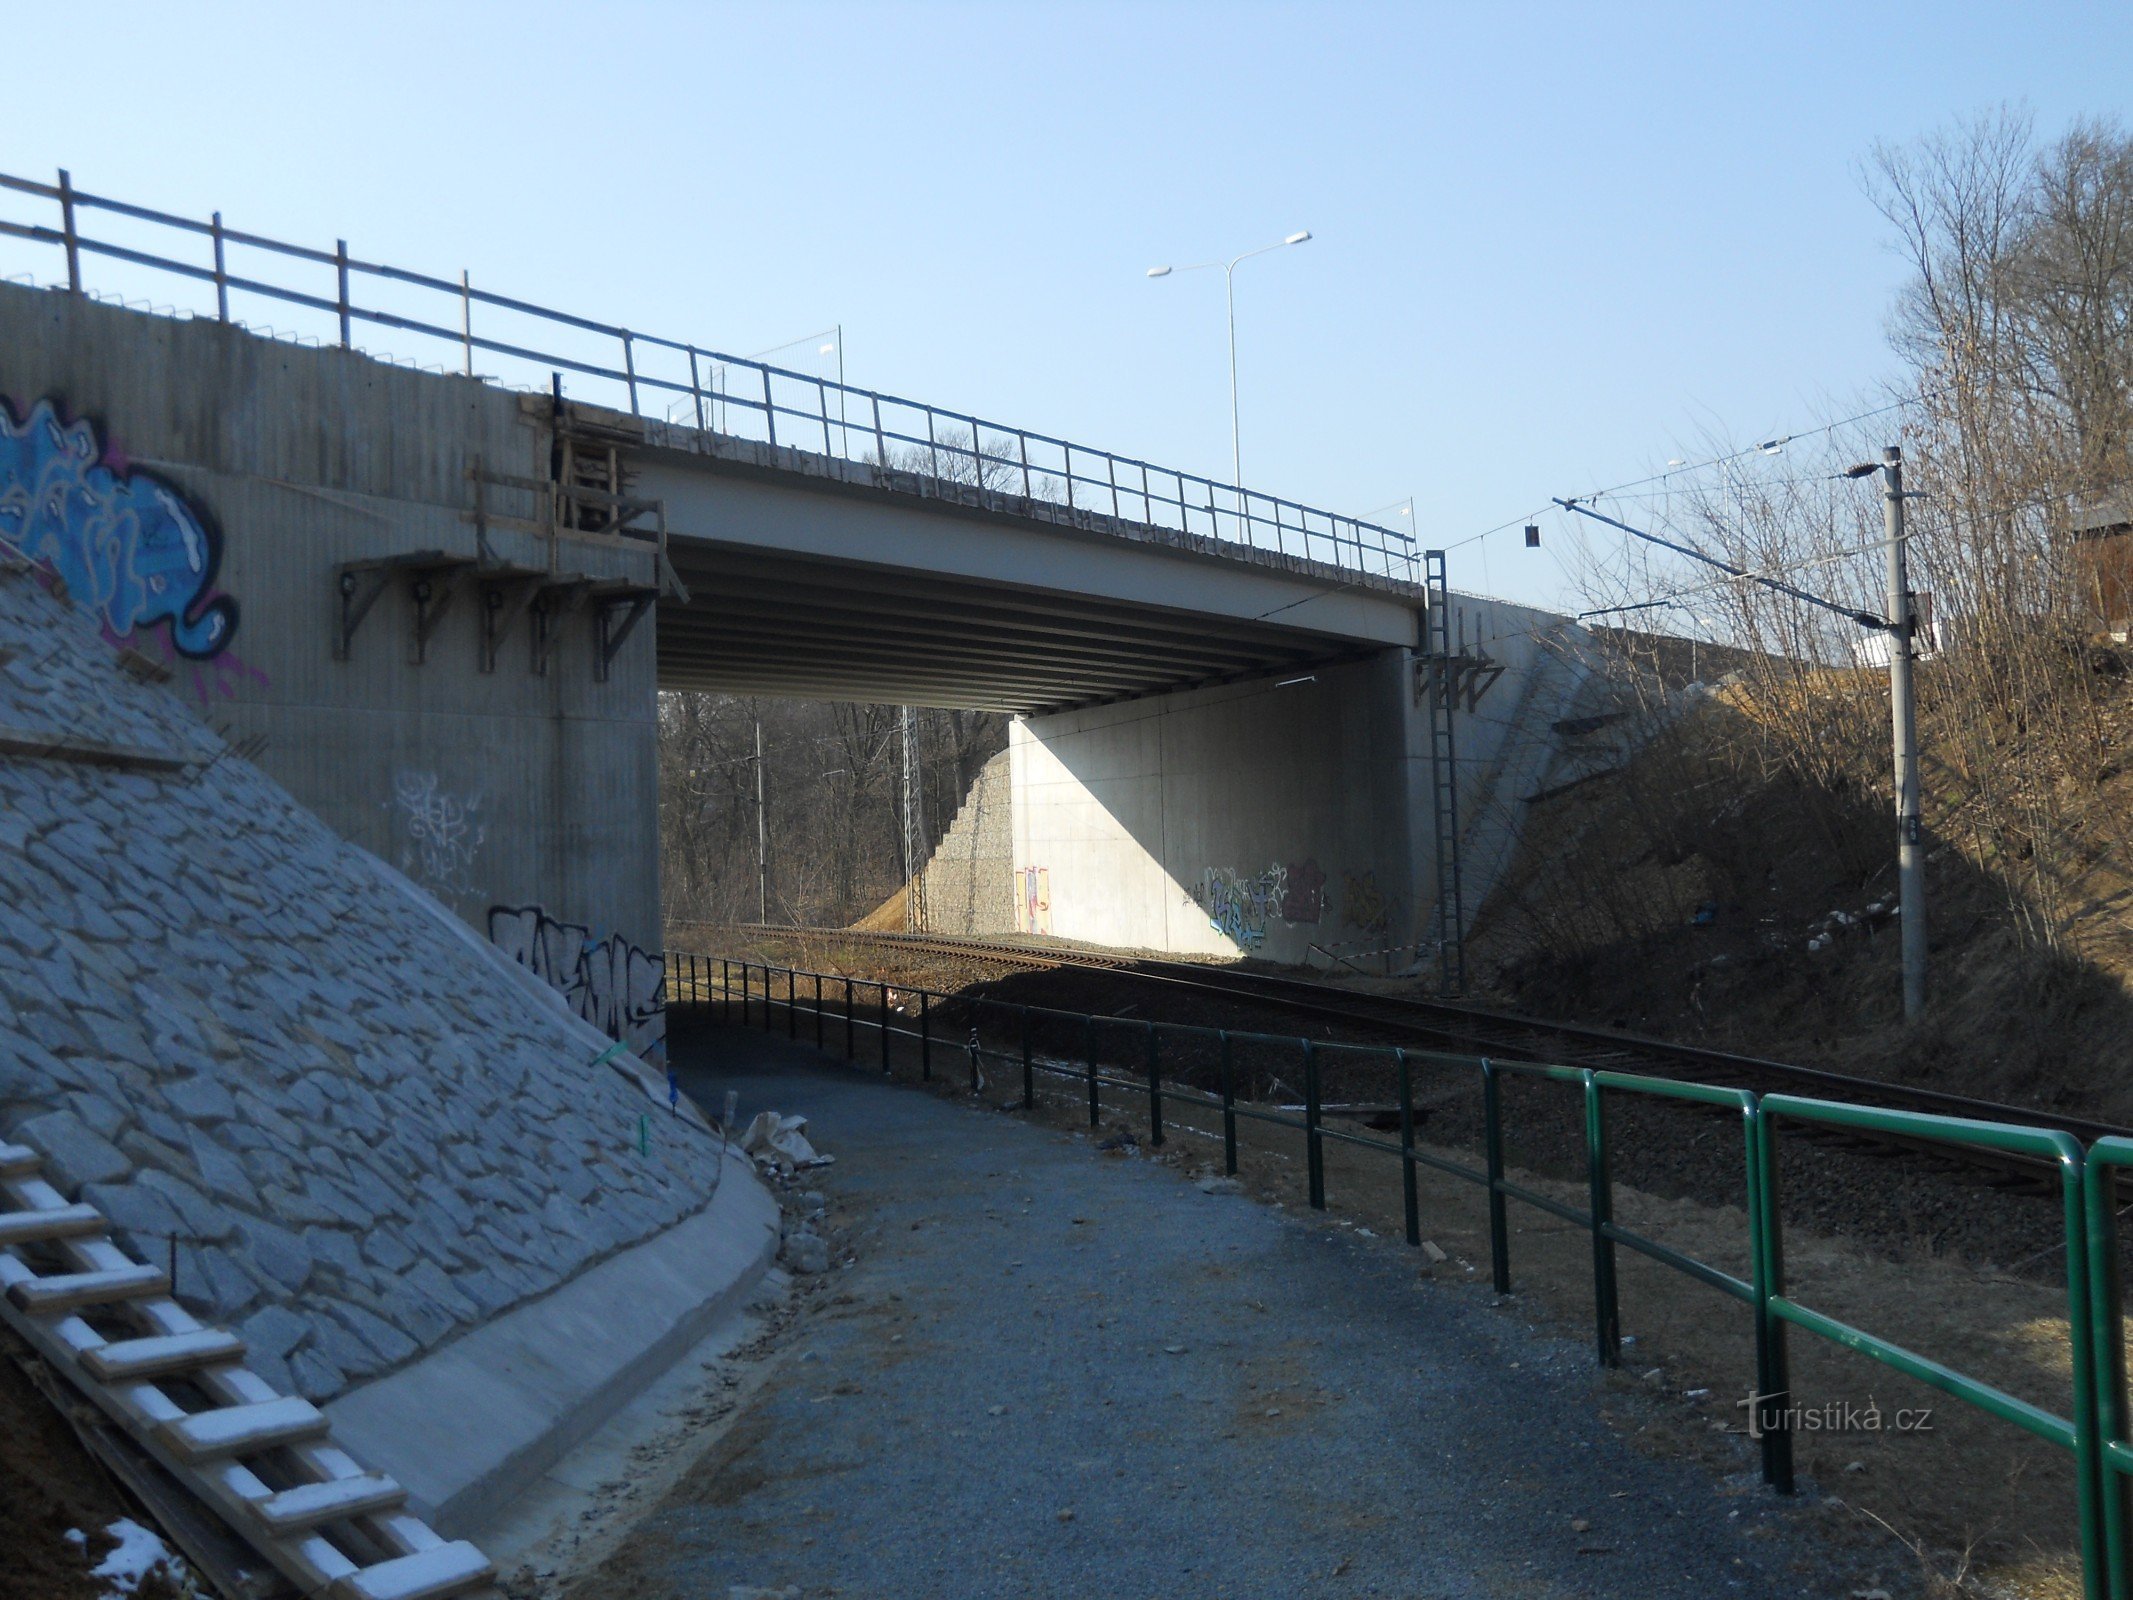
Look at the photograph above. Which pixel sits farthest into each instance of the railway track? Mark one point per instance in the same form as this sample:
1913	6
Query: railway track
1477	1030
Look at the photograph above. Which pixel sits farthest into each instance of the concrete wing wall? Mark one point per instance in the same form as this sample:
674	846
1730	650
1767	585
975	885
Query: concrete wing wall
221	479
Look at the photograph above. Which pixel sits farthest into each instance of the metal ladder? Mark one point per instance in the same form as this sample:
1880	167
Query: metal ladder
261	1460
1444	775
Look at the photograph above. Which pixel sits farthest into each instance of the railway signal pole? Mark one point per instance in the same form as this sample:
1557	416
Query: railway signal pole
1903	634
1901	627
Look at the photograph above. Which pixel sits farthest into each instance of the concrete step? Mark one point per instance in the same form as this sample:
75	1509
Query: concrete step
18	1161
309	1504
70	1291
58	1222
243	1430
162	1356
430	1575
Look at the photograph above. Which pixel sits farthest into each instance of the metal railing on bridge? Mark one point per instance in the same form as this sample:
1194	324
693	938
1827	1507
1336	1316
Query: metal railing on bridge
929	447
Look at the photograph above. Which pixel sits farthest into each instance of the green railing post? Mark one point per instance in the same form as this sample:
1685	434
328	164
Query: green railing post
1773	1376
725	990
925	1038
883	1030
1314	1141
1606	1303
1155	1087
851	1048
1029	1069
1229	1107
1410	1198
1492	1138
2114	1453
2102	1563
818	1009
1088	1044
792	1003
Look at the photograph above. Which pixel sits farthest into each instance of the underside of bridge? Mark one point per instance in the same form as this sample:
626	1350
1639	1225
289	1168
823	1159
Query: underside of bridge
793	625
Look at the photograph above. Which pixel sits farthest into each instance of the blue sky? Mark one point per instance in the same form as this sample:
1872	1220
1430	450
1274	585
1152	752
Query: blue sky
1555	245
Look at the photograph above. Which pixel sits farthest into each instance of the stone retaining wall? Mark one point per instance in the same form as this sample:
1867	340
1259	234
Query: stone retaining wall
355	1127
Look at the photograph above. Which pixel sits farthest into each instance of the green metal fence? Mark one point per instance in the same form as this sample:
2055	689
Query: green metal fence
1170	1064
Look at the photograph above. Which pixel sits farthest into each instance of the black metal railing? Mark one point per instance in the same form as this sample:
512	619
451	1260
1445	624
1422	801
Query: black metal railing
929	449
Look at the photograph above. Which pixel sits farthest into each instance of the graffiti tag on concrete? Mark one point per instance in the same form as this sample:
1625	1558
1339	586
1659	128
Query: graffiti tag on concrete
441	834
1238	906
1034	911
123	541
1304	898
612	984
1364	905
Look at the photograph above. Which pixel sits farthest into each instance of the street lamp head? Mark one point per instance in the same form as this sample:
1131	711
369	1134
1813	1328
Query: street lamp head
1301	237
1158	272
1863	469
827	350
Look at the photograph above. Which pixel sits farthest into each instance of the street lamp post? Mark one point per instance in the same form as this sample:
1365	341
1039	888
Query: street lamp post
1229	277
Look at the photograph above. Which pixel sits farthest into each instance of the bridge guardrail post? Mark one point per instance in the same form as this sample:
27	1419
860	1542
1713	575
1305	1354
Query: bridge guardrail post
1606	1302
222	271
925	1038
1492	1137
1409	1197
1229	1105
1314	1141
1029	1069
818	1010
792	1003
1088	1040
851	1052
340	263
883	1030
1155	1086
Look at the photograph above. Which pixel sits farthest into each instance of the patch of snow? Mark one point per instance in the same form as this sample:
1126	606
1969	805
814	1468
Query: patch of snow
137	1554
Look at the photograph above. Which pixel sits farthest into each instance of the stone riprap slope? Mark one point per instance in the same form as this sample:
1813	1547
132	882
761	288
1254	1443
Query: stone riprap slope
969	884
364	1129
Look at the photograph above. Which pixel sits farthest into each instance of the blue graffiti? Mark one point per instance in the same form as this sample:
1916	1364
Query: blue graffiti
122	541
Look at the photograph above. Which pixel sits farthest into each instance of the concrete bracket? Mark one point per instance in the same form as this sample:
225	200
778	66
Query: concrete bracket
629	604
551	600
505	598
433	590
1470	677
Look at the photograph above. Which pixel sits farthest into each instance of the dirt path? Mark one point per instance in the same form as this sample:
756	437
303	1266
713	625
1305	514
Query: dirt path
1054	1373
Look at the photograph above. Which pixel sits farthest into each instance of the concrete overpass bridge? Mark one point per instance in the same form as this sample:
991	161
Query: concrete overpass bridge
441	607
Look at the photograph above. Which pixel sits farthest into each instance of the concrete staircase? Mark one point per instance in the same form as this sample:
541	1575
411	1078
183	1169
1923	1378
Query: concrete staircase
261	1460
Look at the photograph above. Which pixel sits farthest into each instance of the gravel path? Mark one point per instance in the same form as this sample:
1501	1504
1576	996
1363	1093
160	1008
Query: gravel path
1056	1373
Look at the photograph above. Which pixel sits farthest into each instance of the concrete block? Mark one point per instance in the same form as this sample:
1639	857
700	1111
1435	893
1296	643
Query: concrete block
75	1154
274	1330
469	1426
278	1253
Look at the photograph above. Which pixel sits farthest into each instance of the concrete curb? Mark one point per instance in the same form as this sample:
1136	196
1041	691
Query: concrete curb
467	1429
